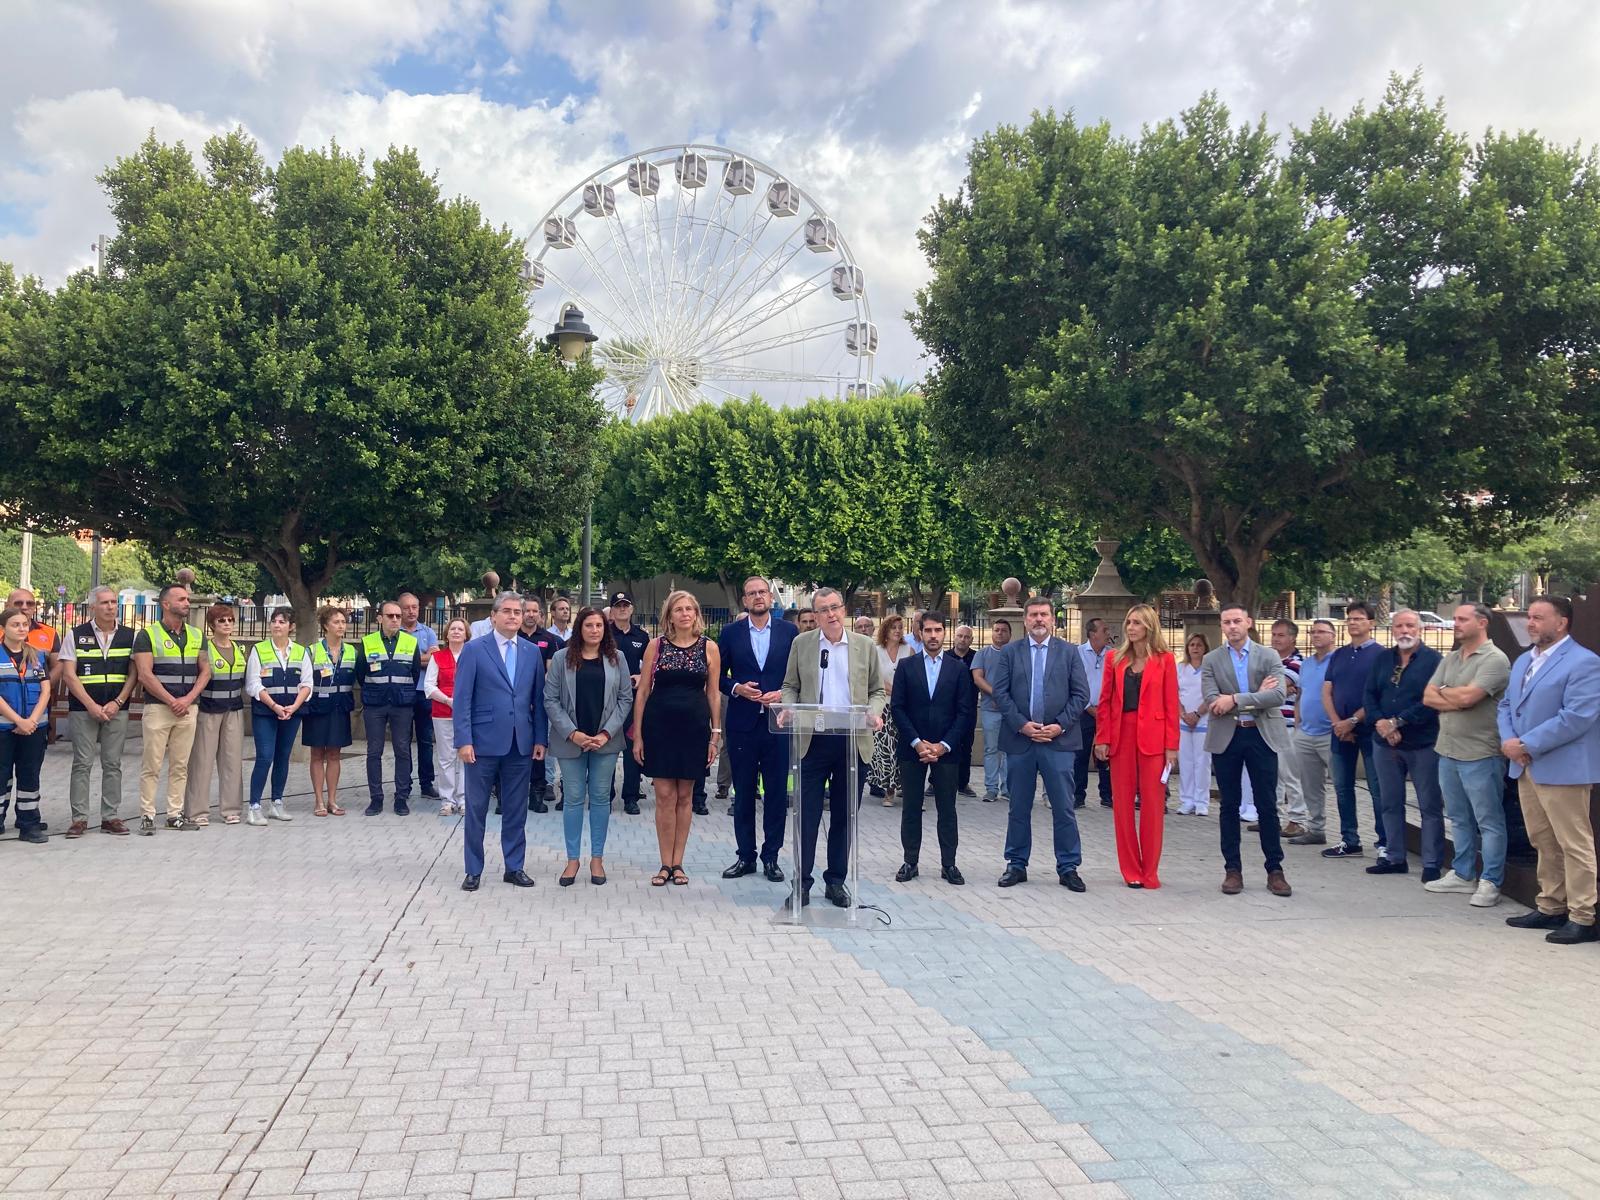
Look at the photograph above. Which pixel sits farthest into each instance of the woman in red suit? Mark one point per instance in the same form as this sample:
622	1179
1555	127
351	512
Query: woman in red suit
1138	732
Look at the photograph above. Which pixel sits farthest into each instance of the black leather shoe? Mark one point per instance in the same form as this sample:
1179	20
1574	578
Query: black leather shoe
1538	920
905	874
402	809
1070	881
837	893
952	874
700	809
520	878
429	792
772	871
1572	933
805	897
1384	867
561	804
538	806
469	884
1014	876
741	867
373	809
631	807
33	834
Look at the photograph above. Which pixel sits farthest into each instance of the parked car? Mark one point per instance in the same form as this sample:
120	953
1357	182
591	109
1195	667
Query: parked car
1432	620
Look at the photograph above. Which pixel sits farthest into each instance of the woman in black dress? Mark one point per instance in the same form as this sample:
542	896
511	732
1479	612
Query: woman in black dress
675	730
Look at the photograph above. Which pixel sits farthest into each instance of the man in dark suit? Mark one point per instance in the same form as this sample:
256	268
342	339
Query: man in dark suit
500	731
755	656
1041	690
934	714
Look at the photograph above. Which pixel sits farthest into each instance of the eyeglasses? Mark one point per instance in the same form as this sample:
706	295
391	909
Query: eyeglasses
828	608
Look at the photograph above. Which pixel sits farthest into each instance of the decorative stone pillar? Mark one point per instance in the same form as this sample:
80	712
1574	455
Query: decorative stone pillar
1106	597
1204	618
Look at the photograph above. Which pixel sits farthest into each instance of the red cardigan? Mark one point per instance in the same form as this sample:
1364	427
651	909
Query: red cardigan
1157	718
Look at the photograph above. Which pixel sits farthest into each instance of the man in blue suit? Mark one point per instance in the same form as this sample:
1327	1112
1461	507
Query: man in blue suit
1550	731
1041	690
755	656
934	713
500	731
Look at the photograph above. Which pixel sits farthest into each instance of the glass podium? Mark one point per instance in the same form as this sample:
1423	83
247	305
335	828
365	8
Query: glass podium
801	723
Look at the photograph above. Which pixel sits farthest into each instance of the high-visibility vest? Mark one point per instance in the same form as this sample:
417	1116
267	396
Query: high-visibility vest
280	677
225	690
175	664
391	676
20	688
101	672
333	684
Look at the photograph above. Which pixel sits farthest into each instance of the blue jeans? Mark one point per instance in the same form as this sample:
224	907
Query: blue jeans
1395	763
1472	796
1023	770
587	778
274	741
994	758
1342	766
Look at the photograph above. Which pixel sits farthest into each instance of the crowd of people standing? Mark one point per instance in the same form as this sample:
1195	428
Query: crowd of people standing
594	690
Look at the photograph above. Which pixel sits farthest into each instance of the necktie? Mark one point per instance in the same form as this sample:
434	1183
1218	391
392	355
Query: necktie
1036	698
511	662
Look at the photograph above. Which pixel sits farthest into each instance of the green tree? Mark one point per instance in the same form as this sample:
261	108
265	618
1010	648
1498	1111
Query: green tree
122	566
57	562
213	576
297	367
1188	328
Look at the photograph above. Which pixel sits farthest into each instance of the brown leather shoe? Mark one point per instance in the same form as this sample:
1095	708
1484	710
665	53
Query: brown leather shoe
115	827
1293	829
77	829
1278	885
1232	883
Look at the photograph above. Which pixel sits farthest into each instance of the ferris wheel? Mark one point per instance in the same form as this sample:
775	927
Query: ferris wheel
705	275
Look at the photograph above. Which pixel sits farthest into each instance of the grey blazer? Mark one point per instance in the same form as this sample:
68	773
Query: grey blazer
561	704
1264	706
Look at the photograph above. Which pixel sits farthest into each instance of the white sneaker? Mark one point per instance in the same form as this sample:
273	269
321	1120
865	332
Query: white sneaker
278	812
1249	814
1186	810
1487	895
254	817
1451	882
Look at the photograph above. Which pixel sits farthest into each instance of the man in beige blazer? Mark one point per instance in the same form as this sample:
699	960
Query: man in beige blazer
830	665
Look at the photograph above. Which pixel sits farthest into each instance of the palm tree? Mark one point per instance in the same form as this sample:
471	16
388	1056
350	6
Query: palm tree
892	387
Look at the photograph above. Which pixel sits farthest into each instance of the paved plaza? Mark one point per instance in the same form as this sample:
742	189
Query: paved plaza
315	1009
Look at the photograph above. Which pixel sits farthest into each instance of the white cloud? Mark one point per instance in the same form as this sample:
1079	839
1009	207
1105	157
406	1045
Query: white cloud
870	106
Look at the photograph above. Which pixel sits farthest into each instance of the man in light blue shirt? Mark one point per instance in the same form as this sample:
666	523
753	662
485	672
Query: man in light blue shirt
422	709
1311	739
983	665
1095	652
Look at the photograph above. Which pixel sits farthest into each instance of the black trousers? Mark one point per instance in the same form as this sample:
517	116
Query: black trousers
825	769
915	775
422	741
963	757
1248	751
760	760
1086	762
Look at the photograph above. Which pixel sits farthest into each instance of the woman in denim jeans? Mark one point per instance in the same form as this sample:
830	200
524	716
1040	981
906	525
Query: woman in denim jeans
588	696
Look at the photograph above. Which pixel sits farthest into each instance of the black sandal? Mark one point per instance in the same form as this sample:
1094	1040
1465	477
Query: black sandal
678	877
659	879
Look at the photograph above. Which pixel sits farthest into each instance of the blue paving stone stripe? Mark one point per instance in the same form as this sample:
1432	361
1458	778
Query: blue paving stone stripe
1188	1109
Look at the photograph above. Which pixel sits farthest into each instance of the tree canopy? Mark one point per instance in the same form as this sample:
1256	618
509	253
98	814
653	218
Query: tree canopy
1303	353
297	366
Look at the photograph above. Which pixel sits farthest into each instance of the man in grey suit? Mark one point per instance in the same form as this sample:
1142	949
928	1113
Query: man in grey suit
1041	690
1241	684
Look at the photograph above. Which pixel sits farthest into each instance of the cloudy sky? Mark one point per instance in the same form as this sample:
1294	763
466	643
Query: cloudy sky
868	104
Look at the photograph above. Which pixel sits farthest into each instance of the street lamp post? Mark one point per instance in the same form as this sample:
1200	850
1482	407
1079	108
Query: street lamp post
572	337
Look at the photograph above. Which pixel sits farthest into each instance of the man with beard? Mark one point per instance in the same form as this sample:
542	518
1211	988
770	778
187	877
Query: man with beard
755	658
1405	730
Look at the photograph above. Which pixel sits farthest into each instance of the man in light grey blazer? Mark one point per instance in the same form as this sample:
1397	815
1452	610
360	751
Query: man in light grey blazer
1242	689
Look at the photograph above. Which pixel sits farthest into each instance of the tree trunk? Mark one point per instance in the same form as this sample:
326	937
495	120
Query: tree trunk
1237	577
304	602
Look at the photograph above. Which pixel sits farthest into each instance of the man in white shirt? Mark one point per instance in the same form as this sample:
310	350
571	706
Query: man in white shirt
1094	651
832	666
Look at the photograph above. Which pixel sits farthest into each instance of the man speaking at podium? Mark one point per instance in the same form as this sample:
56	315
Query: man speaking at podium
832	666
